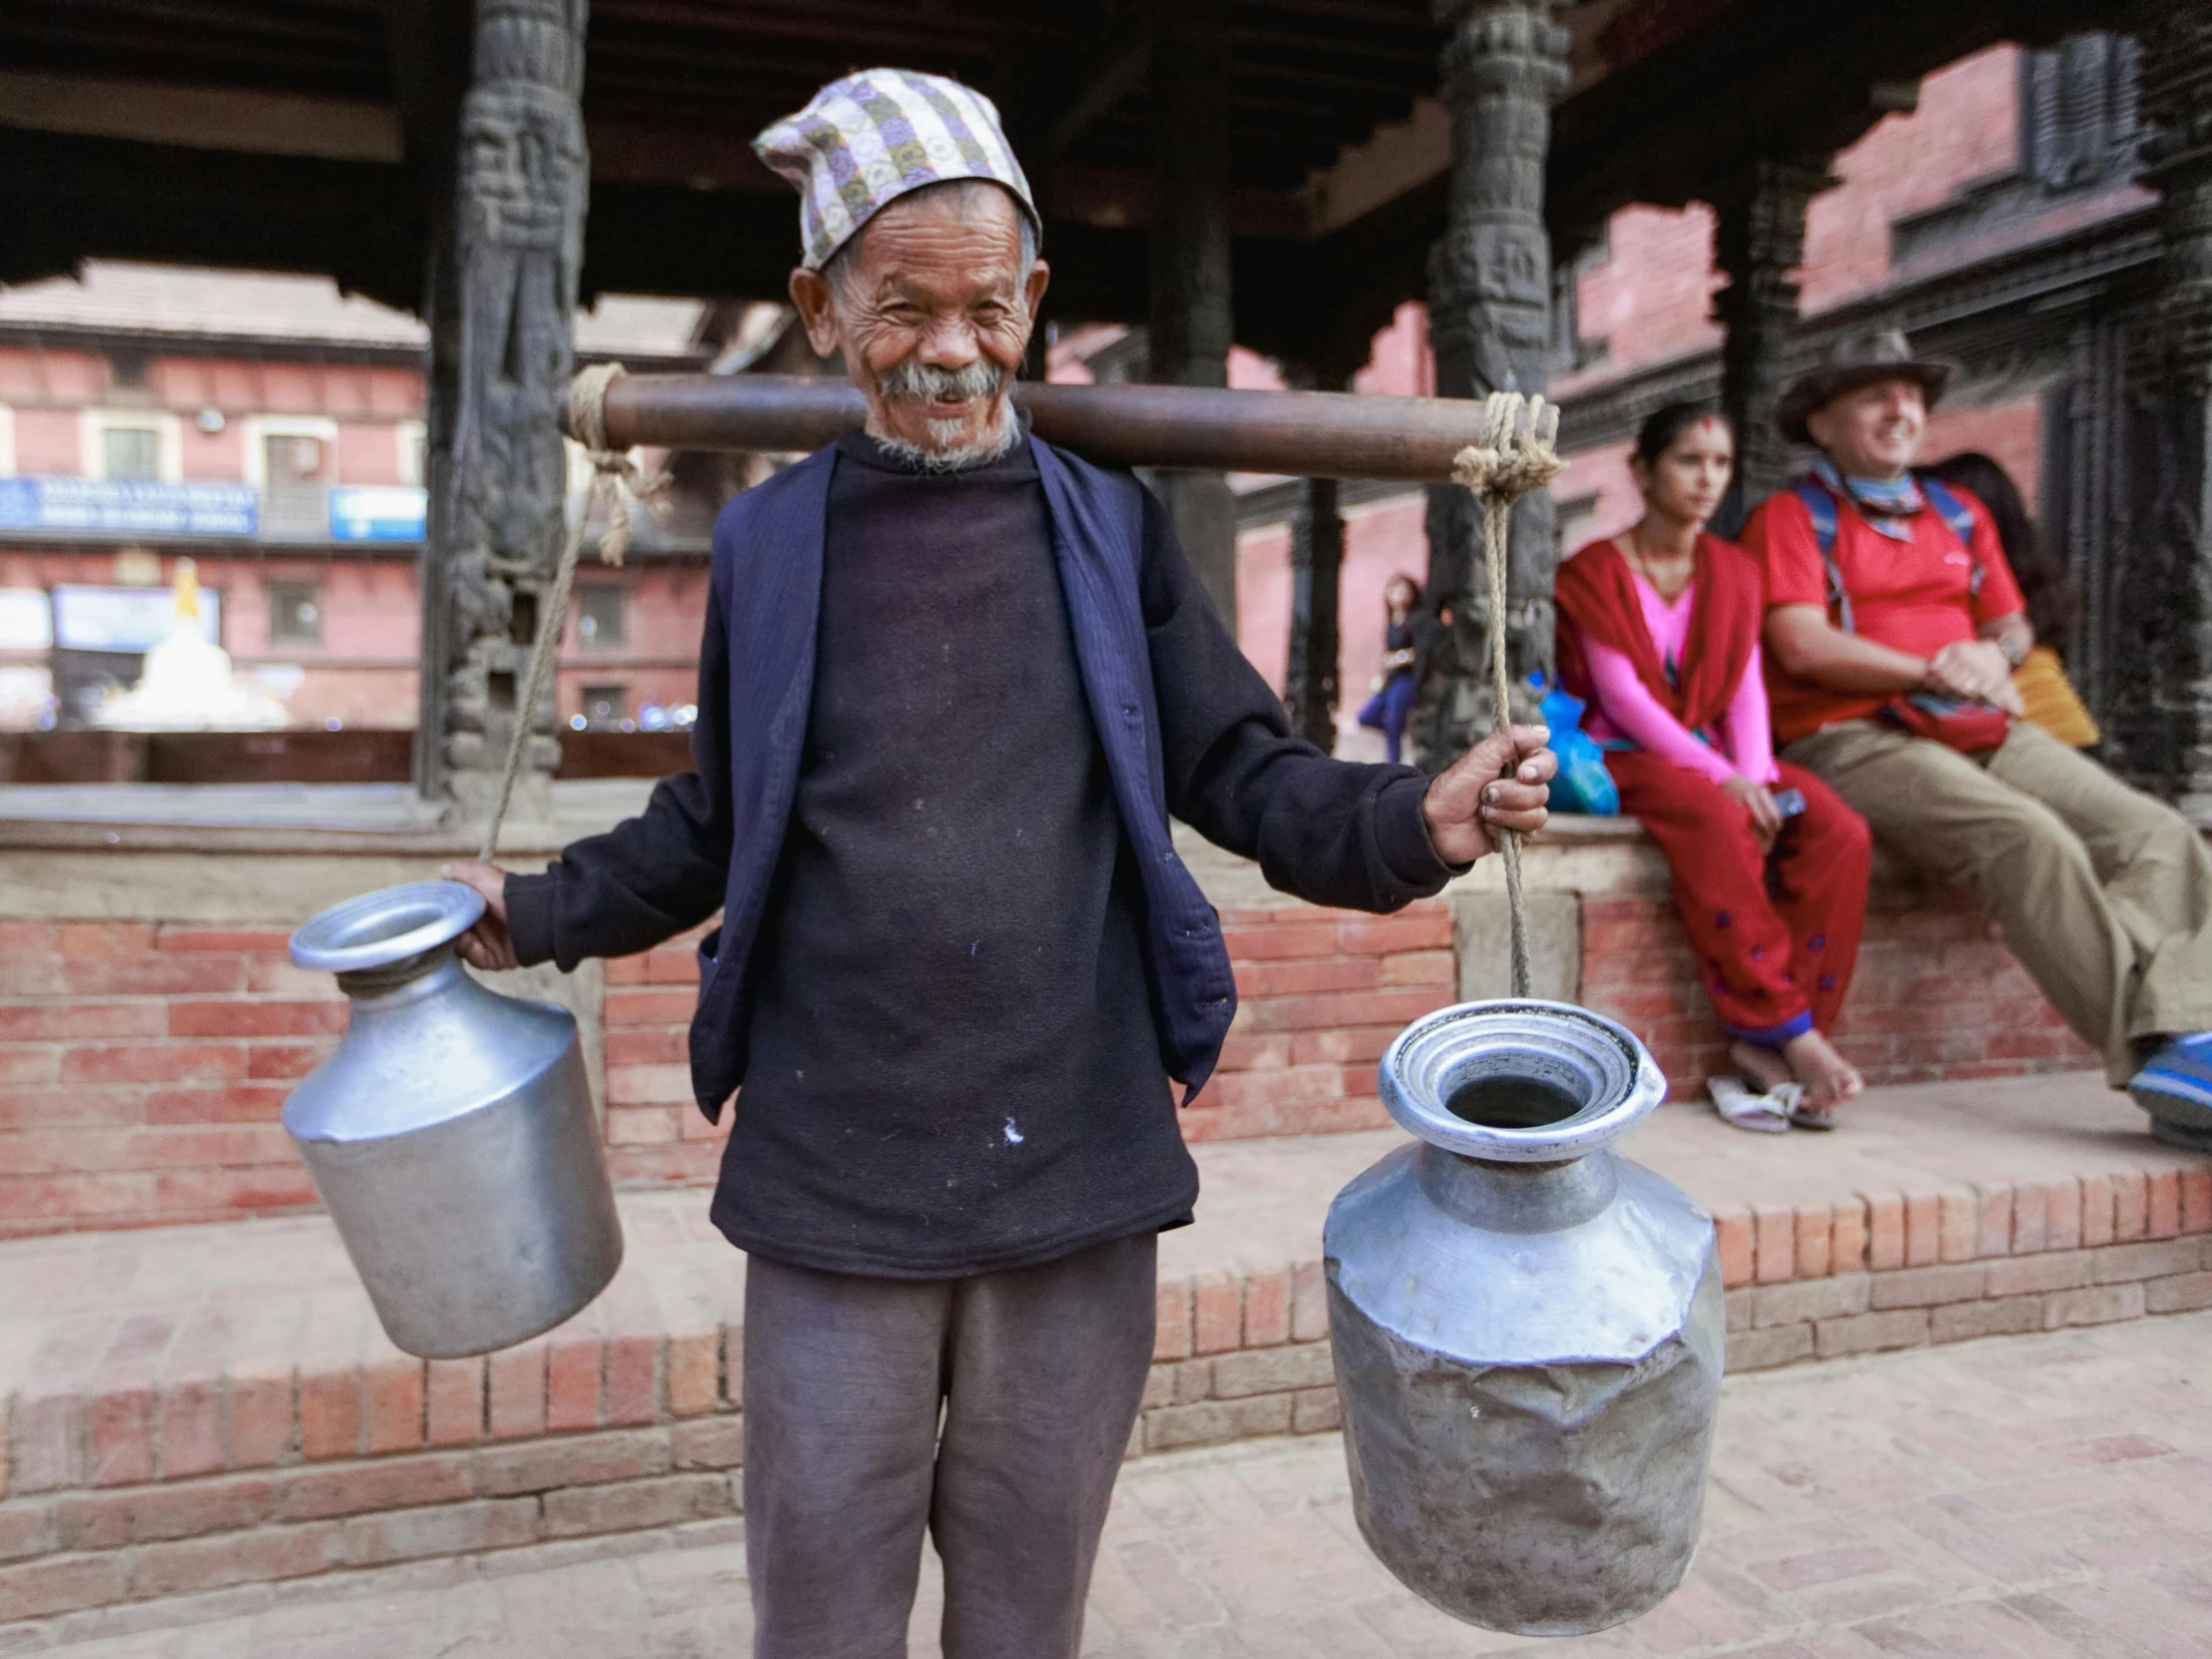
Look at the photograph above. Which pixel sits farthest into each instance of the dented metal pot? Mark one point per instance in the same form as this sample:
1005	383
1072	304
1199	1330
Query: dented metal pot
1527	1328
451	1135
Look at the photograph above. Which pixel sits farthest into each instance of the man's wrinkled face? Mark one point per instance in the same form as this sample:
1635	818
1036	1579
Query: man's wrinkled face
1873	431
933	310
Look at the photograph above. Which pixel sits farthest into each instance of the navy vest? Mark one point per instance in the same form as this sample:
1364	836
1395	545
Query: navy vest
768	551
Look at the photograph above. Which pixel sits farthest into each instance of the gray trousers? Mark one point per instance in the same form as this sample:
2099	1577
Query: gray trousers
992	1410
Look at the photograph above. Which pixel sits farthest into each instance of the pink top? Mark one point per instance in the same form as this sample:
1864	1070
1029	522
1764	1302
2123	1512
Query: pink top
1624	707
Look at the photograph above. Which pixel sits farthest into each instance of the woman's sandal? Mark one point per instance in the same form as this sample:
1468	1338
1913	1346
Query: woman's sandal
1800	1114
1741	1108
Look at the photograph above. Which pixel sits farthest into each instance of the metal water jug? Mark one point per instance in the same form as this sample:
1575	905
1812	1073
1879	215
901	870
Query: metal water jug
451	1135
1527	1328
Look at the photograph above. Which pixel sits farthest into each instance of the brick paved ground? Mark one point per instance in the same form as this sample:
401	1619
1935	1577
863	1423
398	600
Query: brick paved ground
2035	1496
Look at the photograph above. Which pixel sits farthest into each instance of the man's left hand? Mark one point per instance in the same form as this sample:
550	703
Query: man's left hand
1502	782
1978	670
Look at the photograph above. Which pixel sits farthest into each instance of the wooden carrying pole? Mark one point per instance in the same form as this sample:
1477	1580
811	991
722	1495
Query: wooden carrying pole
1300	435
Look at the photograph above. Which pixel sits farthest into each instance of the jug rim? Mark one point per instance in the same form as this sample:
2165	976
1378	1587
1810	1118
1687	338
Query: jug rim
386	927
1439	1051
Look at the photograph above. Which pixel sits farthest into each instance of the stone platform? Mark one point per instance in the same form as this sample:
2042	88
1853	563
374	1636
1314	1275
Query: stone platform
189	1408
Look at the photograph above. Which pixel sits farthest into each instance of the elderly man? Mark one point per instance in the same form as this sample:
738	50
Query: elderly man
1893	628
953	684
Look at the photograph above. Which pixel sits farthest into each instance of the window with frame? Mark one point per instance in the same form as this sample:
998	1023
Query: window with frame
600	614
295	613
129	453
292	458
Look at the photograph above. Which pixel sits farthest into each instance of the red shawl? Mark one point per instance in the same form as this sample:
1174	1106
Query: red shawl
1597	600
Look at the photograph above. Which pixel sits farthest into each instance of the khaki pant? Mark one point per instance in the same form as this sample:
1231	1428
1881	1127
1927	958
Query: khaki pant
2104	895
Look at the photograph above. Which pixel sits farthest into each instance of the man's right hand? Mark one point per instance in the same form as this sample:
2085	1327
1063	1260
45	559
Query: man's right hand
487	945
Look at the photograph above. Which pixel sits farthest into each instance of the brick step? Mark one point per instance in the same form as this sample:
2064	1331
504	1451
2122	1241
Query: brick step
189	1409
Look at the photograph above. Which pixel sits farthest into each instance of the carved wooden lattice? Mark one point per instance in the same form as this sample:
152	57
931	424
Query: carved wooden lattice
2162	713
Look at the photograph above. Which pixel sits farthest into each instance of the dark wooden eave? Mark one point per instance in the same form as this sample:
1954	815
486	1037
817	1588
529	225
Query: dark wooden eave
1670	99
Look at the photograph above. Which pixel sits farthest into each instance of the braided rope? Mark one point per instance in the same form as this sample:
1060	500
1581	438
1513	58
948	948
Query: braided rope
616	480
1517	457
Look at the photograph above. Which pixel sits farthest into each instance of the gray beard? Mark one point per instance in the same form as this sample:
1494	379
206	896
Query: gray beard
946	454
943	451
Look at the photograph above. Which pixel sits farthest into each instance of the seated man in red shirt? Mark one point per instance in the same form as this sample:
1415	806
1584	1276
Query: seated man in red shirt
1893	628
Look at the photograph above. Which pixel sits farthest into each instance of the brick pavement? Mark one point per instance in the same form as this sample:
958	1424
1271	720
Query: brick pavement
2019	1499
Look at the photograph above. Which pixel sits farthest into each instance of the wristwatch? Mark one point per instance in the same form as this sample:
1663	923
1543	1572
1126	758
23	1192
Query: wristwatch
2014	652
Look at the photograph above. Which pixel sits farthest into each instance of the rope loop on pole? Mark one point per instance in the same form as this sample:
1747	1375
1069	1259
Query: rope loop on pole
1517	456
616	482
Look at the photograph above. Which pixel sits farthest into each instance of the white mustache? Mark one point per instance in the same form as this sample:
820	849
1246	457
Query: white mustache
924	380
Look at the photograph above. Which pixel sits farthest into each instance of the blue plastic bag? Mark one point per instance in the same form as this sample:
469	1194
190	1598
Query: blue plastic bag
1583	784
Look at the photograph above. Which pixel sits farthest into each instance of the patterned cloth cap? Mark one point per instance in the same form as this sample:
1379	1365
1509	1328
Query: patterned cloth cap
866	141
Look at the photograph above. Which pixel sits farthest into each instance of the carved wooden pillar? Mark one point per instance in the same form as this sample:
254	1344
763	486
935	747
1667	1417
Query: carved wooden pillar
500	505
1192	324
2162	712
441	311
1489	322
1310	688
1758	240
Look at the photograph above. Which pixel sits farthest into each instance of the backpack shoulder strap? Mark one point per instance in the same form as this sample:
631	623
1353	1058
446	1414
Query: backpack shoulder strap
1820	507
1960	517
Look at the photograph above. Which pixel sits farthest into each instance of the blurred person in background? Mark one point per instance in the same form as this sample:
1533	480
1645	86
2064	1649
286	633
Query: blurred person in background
2053	598
1394	687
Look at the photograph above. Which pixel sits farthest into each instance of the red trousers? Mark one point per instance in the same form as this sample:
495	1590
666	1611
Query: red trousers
1776	934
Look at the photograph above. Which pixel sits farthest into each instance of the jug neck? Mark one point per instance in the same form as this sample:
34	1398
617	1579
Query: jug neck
402	983
1517	1198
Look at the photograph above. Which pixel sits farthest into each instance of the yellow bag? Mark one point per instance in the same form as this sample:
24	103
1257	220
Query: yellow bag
2052	701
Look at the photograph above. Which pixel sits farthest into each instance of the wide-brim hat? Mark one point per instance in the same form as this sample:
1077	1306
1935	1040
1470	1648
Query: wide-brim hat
1859	361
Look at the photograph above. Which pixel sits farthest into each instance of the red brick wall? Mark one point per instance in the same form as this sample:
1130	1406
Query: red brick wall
2010	434
1966	128
1937	994
143	1067
1319	994
142	1071
1615	503
654	1130
1651	296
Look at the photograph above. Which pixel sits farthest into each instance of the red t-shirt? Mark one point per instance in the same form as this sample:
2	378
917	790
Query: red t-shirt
1914	596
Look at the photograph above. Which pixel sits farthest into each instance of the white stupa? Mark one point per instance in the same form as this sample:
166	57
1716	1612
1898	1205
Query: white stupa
188	683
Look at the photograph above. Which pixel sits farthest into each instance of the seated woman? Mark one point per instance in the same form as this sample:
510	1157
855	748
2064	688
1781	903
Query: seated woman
1659	633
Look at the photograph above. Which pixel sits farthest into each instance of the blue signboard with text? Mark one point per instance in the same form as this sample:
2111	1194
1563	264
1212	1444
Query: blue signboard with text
378	512
128	507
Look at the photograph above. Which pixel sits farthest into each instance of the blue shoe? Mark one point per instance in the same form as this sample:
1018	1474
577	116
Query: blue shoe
2175	1084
